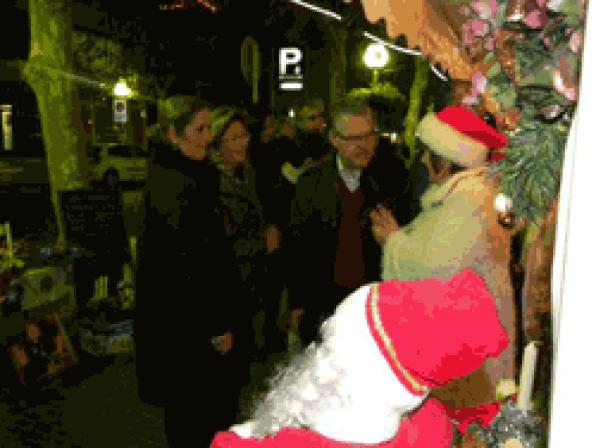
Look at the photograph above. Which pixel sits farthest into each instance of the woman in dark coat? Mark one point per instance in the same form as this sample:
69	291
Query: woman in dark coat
187	284
253	239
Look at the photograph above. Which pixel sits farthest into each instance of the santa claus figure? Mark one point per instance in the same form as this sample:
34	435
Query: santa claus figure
382	352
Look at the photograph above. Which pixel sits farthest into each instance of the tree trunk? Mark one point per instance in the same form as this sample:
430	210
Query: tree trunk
413	117
337	63
49	71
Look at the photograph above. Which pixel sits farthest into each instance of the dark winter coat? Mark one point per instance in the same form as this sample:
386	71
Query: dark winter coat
315	219
187	282
244	222
273	189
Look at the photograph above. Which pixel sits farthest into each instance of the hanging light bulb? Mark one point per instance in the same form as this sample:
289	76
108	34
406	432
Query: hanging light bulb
503	205
376	56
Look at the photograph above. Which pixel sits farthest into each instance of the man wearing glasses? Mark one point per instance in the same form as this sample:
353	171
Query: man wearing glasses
332	246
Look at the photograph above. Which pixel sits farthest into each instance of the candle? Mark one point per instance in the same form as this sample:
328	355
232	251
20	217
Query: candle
526	380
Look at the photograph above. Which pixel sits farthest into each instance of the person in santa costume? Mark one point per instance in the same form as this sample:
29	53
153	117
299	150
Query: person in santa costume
457	228
367	382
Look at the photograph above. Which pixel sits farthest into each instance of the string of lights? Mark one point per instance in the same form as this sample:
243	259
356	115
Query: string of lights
368	35
317	9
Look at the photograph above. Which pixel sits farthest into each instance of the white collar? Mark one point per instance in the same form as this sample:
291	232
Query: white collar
350	176
341	167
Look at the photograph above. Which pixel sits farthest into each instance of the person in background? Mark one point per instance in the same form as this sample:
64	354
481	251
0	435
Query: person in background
187	282
275	159
457	228
330	235
253	240
311	136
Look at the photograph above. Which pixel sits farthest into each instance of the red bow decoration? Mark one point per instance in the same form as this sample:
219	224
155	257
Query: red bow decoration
485	414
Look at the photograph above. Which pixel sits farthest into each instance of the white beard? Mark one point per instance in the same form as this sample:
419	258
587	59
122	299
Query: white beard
341	388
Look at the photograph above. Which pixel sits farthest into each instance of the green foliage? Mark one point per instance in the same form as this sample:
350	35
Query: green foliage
387	100
381	91
530	174
413	117
101	59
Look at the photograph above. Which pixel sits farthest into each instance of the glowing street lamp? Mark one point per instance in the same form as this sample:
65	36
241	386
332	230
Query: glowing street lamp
121	94
121	90
376	57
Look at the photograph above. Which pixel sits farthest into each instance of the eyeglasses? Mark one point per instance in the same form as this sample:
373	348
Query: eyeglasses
363	138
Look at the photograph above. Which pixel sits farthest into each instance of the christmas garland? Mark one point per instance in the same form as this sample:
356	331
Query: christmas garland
529	57
530	172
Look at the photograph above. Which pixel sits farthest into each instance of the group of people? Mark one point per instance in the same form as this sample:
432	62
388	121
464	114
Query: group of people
323	211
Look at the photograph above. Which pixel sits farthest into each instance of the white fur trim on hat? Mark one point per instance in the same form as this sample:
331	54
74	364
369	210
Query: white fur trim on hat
359	354
244	430
451	144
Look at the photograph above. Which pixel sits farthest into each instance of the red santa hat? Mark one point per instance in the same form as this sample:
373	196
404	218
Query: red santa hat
431	331
458	134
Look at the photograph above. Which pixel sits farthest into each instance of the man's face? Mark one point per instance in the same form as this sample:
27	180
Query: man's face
355	139
314	121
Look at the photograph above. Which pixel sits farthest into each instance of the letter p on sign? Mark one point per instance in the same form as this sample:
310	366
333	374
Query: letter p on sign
289	57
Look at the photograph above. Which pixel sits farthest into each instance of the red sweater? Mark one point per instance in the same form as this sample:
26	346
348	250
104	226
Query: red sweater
348	270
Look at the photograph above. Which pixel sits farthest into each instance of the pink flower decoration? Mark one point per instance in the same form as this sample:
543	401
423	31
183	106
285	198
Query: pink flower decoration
547	42
559	84
536	19
575	42
467	34
482	9
479	27
489	44
479	82
494	7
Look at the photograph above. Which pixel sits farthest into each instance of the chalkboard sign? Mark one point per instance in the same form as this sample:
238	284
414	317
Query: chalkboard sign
94	220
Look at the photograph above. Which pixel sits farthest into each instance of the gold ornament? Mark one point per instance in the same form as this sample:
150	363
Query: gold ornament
505	388
507	220
511	118
512	443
